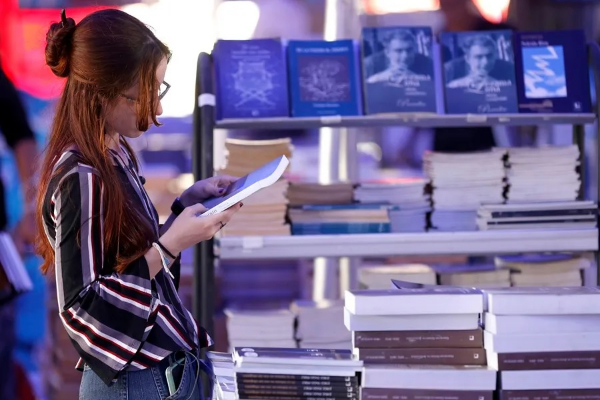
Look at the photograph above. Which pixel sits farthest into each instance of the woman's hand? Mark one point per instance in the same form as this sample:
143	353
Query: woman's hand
189	228
205	189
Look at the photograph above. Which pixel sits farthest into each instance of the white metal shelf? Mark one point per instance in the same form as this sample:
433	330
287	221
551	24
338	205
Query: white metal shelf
390	244
416	120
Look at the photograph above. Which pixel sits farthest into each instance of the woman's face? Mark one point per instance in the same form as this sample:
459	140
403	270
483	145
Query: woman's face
122	117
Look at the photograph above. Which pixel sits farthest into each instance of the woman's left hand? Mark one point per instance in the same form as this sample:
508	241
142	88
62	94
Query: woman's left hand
205	189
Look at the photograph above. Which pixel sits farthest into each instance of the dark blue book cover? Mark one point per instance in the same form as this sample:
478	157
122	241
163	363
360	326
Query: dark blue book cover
479	72
552	72
339	228
324	78
251	79
398	70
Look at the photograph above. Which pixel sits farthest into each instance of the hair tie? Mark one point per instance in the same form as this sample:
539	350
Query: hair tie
63	18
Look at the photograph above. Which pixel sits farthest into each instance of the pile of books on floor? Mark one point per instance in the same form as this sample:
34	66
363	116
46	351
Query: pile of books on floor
543	174
339	219
310	193
541	215
460	183
262	373
264	212
320	325
558	269
480	275
424	342
545	342
260	328
411	203
223	368
377	276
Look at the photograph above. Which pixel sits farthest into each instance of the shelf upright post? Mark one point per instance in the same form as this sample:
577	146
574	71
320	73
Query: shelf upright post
202	168
579	141
594	61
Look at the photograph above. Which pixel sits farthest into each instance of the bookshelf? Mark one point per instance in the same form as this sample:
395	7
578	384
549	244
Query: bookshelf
476	243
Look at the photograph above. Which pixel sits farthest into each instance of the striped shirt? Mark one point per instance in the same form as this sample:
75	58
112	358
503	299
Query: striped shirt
116	321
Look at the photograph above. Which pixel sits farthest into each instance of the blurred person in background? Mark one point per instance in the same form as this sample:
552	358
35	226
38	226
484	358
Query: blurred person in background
20	139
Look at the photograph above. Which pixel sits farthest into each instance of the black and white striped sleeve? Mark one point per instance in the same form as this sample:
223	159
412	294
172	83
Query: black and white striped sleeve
105	314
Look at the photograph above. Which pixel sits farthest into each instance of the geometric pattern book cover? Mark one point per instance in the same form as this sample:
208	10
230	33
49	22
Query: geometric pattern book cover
324	78
552	72
479	72
398	70
251	79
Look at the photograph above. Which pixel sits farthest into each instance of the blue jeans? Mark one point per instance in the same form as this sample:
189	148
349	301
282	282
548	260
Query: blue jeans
148	384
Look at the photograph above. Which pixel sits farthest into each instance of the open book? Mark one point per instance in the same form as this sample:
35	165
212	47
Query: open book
258	179
14	278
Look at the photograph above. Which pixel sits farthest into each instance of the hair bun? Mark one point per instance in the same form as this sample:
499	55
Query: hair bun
59	40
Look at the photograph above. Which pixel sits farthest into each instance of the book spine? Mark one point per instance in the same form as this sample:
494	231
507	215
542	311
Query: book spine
248	393
296	386
270	397
414	394
416	339
549	360
245	376
571	394
419	356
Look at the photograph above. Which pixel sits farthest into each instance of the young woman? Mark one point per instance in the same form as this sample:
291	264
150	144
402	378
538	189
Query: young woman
114	264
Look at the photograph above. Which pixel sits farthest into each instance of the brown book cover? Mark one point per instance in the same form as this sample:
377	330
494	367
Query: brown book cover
423	356
418	339
548	360
570	394
413	394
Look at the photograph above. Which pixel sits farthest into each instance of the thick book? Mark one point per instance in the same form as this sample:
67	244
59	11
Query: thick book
339	228
544	360
557	379
435	300
402	323
418	356
543	301
479	72
540	324
426	394
549	341
552	72
324	78
398	70
549	394
295	356
251	79
246	186
14	278
295	379
419	339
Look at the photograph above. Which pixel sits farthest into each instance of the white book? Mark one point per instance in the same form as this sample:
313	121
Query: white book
294	369
529	324
543	301
12	265
446	322
541	342
428	377
551	379
434	300
246	186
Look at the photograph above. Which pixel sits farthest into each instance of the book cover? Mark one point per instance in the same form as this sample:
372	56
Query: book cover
479	72
398	70
418	356
339	228
251	79
426	394
418	339
552	72
324	78
546	360
567	394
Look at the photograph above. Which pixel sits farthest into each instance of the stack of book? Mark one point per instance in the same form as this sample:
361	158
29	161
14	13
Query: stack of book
473	275
262	373
544	341
223	367
320	324
419	341
260	328
547	215
462	182
264	212
310	193
545	269
407	195
339	219
543	174
379	276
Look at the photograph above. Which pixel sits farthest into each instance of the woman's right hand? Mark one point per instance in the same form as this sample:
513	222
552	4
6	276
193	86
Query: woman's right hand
189	228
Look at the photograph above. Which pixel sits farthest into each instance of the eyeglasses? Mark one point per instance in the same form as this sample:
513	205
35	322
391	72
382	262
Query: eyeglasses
162	91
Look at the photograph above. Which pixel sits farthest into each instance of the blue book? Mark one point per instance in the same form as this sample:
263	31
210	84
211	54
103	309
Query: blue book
398	70
339	228
324	78
251	79
246	186
343	207
552	72
479	72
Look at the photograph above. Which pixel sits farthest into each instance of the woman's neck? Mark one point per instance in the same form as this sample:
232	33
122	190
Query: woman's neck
113	141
